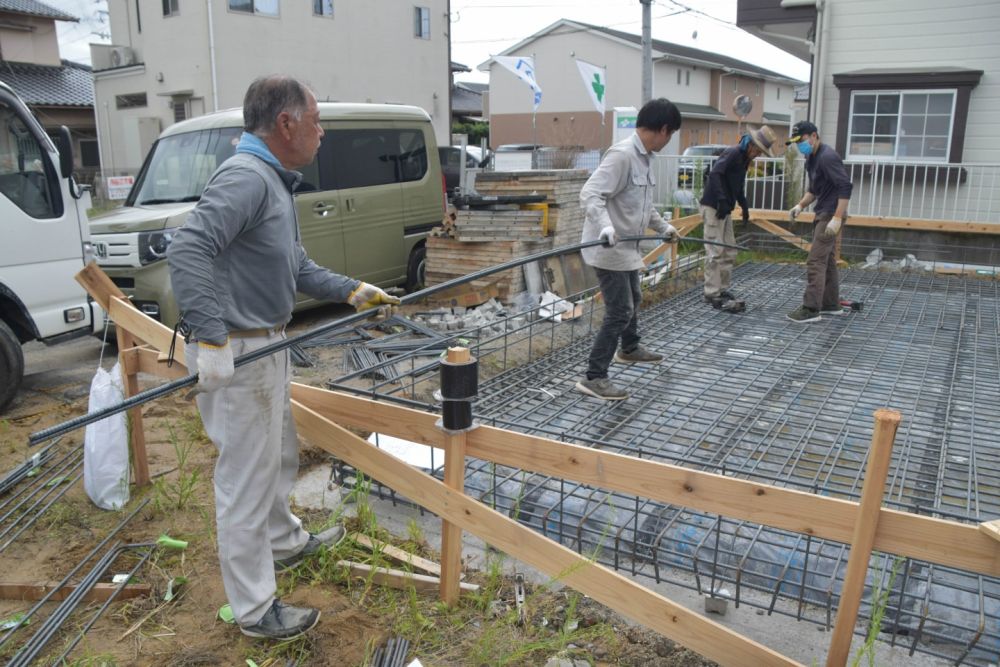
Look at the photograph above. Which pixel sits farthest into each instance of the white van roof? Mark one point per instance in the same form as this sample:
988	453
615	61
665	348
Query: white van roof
327	111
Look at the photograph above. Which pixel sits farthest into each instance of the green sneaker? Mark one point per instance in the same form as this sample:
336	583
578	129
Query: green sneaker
802	315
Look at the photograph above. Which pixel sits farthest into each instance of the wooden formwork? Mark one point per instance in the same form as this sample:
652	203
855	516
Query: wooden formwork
324	418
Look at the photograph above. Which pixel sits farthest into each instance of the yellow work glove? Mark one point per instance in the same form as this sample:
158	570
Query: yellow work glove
366	297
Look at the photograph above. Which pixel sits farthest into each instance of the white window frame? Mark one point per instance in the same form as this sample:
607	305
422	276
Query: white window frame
253	3
422	19
324	15
899	125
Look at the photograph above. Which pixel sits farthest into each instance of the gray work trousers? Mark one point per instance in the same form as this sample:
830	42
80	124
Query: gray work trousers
719	262
822	276
250	421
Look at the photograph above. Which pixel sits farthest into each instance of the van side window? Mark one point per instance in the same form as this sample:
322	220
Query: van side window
362	158
412	155
26	177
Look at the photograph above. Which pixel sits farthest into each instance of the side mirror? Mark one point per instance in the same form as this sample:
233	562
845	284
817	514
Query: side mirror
64	144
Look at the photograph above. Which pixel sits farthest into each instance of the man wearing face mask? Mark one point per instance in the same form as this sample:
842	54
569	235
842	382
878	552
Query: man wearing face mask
830	187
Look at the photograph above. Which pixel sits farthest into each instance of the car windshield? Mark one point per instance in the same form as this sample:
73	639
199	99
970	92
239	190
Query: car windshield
180	165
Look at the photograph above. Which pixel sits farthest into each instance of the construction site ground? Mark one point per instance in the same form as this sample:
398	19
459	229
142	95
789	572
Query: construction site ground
356	617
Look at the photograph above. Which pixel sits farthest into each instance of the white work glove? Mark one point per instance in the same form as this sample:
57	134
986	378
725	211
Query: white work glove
608	236
215	367
794	213
671	231
833	226
366	297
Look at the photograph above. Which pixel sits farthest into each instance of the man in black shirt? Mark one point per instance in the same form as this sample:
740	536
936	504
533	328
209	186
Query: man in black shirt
725	189
830	187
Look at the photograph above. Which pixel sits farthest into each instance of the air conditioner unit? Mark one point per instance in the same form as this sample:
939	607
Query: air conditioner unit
122	56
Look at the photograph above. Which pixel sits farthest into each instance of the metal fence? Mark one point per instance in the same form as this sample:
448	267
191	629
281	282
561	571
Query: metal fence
922	190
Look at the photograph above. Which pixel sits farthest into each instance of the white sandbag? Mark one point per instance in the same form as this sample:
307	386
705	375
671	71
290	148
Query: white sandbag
105	448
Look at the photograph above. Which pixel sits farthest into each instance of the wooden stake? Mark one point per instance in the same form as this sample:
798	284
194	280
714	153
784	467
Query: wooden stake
137	435
398	554
454	478
886	423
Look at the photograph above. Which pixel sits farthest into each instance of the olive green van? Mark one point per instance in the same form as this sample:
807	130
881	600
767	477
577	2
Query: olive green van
365	204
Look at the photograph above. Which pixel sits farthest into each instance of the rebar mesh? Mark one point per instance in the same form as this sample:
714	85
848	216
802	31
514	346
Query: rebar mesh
757	396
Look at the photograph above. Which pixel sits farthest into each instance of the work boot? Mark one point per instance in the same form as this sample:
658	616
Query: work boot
803	314
602	388
317	543
637	356
832	310
282	621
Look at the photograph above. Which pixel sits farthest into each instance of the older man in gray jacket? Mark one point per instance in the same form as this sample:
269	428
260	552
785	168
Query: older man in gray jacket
618	202
235	267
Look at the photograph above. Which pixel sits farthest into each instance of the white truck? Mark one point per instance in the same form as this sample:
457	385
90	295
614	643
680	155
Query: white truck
45	241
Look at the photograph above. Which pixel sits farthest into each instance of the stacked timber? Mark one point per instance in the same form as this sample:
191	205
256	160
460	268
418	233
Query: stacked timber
476	238
561	188
449	258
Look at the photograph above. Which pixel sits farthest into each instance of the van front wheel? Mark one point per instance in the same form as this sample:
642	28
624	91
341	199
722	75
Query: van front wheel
416	269
11	364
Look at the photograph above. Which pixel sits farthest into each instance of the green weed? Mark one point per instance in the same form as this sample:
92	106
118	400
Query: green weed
175	494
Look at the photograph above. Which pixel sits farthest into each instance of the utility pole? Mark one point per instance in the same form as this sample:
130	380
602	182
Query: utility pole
647	50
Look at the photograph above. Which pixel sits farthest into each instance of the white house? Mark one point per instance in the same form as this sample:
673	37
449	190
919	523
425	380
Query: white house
907	90
175	59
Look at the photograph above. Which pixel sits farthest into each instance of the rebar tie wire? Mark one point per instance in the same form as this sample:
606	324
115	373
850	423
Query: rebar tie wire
170	387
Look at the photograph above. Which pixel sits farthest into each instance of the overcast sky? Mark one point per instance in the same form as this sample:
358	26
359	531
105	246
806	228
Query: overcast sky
482	28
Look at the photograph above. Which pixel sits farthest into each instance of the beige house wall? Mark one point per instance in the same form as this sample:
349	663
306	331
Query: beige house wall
358	55
26	39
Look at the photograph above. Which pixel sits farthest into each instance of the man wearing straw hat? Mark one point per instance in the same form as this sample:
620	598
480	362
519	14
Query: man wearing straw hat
725	189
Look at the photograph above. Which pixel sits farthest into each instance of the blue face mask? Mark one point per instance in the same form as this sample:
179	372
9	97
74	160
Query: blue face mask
805	148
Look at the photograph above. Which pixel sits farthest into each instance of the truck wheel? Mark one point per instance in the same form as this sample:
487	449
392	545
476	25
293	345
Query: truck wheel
415	269
11	364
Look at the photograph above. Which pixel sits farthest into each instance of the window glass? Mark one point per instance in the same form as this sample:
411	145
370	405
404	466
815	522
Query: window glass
323	7
170	7
26	177
262	7
913	125
179	166
130	100
362	158
422	22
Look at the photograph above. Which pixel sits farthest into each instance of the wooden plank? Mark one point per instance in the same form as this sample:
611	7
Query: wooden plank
991	529
881	222
782	233
428	566
683	226
618	592
98	285
99	593
145	328
385	576
155	363
880	455
939	541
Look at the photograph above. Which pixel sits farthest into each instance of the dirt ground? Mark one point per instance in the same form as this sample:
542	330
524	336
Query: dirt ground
357	616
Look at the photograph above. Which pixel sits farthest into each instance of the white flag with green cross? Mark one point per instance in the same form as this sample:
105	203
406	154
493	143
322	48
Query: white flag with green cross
596	81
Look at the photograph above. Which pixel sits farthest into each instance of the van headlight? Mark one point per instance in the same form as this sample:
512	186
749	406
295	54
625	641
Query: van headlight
153	245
